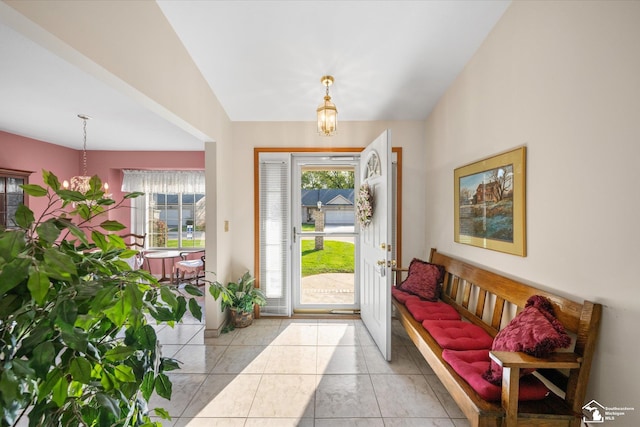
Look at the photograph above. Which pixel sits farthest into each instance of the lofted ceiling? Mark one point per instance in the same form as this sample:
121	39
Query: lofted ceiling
392	60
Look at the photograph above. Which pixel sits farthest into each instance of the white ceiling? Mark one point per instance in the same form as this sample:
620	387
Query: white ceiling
392	60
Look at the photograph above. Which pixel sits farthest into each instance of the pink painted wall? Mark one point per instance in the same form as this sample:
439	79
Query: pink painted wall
19	152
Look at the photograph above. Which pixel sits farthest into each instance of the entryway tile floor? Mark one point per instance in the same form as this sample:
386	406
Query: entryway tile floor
310	373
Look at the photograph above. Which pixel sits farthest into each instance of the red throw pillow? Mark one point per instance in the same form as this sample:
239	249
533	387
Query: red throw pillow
534	331
424	279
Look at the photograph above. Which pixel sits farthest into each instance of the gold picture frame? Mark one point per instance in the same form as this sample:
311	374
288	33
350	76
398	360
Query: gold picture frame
489	203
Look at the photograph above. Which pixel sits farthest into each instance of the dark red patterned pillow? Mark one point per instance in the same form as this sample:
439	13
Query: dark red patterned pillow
424	279
534	331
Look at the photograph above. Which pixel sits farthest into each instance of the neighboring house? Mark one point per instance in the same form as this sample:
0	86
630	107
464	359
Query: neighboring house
336	203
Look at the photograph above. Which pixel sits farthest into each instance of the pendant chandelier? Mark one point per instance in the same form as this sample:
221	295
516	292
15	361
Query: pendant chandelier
327	111
81	183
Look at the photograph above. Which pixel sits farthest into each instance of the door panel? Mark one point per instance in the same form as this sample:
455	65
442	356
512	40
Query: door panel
375	244
325	246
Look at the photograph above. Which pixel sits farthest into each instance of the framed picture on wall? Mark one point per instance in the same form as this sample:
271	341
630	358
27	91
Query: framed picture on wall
489	203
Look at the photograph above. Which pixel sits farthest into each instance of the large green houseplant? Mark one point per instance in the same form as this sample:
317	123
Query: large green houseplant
76	346
240	298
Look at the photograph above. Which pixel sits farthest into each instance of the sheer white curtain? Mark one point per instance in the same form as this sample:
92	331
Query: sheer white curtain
167	182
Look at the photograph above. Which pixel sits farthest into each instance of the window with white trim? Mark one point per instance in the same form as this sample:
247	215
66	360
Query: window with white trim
172	211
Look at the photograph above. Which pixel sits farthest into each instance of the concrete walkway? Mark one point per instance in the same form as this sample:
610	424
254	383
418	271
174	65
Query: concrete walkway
330	288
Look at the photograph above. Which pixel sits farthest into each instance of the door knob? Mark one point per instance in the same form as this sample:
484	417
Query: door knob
382	262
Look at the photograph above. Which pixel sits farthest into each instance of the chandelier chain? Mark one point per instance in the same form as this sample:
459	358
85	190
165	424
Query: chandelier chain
84	146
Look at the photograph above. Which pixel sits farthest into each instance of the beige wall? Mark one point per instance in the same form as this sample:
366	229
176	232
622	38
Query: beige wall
562	79
246	135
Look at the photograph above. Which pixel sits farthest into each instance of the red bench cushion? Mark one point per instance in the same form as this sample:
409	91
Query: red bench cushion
535	331
427	310
424	279
402	296
471	364
458	335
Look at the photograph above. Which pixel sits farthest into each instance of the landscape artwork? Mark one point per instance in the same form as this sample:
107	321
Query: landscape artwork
489	203
486	204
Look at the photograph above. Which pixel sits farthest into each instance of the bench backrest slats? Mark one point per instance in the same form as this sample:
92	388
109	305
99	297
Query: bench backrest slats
467	295
482	299
454	288
567	311
498	310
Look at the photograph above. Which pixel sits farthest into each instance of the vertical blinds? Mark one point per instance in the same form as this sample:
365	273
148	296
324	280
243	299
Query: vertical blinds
274	244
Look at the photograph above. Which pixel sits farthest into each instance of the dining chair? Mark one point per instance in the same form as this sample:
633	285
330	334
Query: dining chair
194	267
136	242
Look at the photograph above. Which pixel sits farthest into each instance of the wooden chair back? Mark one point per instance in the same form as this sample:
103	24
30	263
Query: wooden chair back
135	241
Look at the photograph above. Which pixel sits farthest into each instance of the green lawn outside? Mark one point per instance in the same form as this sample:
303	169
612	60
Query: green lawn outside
308	227
337	257
198	243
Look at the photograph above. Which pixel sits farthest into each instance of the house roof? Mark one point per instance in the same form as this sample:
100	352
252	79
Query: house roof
328	197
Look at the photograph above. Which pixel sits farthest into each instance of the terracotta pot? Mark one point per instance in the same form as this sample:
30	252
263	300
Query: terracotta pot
241	319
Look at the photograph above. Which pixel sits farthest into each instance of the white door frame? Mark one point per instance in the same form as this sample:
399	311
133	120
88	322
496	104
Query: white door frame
282	154
320	160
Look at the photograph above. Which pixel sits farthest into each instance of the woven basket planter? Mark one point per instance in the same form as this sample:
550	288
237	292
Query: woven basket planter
241	319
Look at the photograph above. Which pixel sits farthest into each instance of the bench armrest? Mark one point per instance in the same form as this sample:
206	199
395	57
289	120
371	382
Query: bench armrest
509	359
512	362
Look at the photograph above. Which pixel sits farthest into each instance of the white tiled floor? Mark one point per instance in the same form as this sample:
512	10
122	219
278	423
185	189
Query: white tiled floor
322	373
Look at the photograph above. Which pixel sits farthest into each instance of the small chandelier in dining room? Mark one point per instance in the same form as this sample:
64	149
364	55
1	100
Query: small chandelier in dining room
327	111
81	183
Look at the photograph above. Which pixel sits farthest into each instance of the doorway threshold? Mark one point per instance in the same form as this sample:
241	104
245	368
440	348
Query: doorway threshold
326	314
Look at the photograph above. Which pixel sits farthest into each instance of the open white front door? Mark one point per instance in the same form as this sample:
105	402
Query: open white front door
375	244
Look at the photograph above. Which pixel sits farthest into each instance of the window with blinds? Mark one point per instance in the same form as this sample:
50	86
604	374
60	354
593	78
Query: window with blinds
11	195
274	223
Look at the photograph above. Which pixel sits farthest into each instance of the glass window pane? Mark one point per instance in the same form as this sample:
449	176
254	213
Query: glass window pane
11	197
176	220
13	185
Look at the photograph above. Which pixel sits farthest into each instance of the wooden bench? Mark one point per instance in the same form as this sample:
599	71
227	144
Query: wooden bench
489	300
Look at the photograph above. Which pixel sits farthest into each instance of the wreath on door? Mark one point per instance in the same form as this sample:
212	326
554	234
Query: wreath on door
364	205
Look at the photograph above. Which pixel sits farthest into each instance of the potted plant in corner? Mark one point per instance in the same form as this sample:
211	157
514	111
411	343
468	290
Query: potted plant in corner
240	298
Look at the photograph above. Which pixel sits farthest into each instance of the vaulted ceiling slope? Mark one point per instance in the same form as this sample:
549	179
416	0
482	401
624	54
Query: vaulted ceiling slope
392	60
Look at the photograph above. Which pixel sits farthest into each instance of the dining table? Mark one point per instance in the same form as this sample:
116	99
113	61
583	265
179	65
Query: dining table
163	256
